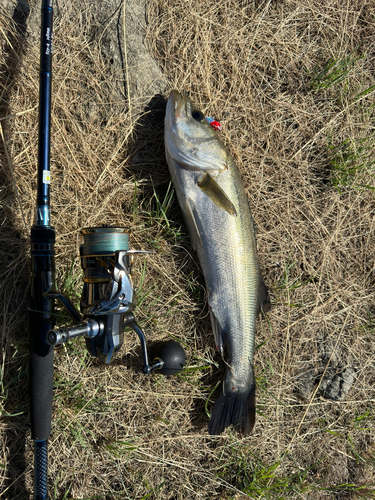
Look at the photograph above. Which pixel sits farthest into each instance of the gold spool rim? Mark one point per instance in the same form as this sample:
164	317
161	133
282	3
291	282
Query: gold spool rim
93	230
96	280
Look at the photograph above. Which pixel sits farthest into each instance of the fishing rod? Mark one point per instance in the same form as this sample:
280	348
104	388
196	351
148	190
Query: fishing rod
42	271
108	298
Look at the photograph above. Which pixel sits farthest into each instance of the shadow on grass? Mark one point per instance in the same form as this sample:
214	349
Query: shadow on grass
15	278
147	144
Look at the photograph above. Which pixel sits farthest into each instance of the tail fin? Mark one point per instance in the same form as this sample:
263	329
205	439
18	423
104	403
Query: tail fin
234	407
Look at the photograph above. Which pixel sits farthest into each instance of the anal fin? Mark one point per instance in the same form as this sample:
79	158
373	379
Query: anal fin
218	332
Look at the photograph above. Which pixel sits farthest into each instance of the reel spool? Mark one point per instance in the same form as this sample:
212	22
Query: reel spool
107	302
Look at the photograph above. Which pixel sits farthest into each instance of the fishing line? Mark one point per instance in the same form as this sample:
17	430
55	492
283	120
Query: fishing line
104	240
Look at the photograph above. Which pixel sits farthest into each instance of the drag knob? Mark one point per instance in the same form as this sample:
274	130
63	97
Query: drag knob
173	356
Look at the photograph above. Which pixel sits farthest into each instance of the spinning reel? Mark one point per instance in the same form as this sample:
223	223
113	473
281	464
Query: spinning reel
108	301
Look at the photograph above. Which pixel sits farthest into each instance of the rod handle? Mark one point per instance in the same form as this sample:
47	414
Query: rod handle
41	321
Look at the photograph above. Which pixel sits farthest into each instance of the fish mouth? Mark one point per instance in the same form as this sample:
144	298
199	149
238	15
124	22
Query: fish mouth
177	137
176	107
173	102
176	113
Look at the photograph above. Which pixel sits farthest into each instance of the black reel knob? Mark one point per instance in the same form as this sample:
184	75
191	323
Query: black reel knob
173	356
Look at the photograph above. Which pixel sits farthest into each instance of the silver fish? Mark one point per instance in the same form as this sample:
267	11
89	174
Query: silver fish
217	215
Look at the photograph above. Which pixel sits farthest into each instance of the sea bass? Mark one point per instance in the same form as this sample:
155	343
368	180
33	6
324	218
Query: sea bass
217	215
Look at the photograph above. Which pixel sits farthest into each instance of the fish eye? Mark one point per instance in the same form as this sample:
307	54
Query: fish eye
197	115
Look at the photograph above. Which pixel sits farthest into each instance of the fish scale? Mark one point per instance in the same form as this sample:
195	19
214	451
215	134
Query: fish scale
216	212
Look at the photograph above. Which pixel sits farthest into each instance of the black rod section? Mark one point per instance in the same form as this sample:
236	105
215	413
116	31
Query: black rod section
42	272
45	80
41	322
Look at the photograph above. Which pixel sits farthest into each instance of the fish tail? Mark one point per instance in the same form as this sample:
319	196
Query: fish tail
233	407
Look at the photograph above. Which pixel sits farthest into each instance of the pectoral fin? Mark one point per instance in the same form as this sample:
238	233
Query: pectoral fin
212	189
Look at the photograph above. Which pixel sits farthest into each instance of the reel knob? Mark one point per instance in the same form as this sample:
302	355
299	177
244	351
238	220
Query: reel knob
173	355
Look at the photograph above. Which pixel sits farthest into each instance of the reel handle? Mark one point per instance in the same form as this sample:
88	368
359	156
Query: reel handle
170	358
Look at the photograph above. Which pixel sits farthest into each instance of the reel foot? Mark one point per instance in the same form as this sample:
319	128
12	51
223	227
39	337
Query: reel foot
173	355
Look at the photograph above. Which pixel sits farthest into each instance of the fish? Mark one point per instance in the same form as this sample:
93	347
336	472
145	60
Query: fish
216	212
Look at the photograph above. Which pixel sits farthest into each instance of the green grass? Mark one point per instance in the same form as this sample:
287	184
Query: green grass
72	282
118	448
260	479
334	72
288	283
352	163
158	217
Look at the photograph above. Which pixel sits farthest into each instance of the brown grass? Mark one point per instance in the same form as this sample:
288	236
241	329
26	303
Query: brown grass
115	432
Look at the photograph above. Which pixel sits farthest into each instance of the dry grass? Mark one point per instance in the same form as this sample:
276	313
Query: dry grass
297	138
